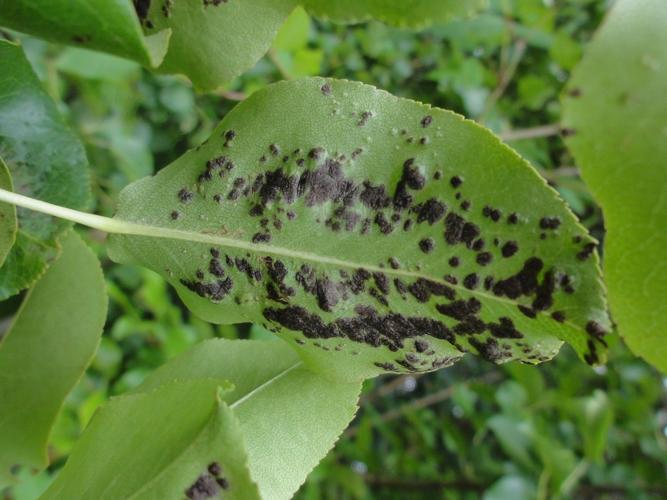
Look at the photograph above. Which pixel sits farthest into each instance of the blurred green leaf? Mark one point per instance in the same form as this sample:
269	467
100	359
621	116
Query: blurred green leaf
50	344
617	110
8	225
197	448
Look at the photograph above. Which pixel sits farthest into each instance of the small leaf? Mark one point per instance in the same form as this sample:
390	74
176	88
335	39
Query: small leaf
179	440
45	352
8	226
372	232
290	417
402	13
93	24
213	41
46	160
616	111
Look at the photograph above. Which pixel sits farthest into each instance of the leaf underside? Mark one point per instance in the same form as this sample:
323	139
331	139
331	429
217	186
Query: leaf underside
45	352
46	161
616	108
374	233
179	440
280	406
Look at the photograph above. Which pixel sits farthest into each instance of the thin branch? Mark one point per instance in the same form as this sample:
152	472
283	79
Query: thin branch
505	78
275	59
531	133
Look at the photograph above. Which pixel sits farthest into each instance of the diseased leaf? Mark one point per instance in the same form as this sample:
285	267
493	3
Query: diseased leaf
48	347
281	406
8	226
402	13
110	26
180	440
213	41
46	160
616	110
372	232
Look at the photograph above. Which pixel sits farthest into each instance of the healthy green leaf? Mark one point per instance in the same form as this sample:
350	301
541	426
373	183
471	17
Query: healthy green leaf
290	417
46	160
8	226
372	232
110	26
179	440
402	13
45	352
213	41
617	112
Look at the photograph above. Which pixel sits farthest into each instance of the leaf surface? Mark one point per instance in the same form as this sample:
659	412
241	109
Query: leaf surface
289	416
374	233
214	41
48	347
46	161
8	225
402	13
106	25
169	443
617	111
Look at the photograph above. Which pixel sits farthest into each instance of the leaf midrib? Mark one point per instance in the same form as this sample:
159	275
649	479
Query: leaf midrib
132	228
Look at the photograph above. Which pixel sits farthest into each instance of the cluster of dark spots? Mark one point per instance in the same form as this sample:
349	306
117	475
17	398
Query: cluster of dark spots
175	215
166	8
208	484
363	119
185	195
356	153
229	137
452	280
460	309
551	223
586	252
478	245
412	175
430	211
527	311
454	262
504	329
426	245
456	181
274	149
216	290
214	3
390	367
484	258
385	226
465	205
401	287
471	281
437	175
458	230
426	121
423	141
488	282
381	282
261	238
594	329
522	283
509	249
558	316
142	7
394	263
367	326
421	345
544	292
374	197
326	89
422	289
215	268
565	282
408	225
490	349
513	218
492	213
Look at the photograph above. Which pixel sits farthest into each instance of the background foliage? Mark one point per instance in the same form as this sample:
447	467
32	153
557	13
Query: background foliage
559	430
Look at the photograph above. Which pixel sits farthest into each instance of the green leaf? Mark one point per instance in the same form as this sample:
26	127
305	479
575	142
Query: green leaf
372	232
160	444
412	13
46	160
213	41
294	33
8	225
93	24
290	417
617	112
46	350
